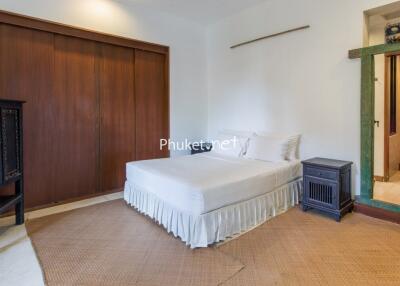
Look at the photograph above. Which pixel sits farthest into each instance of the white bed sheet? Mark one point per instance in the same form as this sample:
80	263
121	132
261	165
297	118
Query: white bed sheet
205	182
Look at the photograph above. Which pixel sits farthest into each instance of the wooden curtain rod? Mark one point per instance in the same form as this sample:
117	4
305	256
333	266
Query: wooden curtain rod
270	36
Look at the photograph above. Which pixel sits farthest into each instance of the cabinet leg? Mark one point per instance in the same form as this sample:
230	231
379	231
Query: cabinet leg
305	208
19	213
19	207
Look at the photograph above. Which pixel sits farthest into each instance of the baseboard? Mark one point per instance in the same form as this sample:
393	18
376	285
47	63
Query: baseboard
377	213
379	179
11	212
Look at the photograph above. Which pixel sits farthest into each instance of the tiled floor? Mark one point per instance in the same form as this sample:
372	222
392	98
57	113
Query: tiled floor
388	191
18	263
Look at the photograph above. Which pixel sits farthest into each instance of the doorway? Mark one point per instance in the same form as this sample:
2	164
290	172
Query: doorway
386	129
374	44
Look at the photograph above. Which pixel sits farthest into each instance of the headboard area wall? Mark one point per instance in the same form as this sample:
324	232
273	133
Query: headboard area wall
300	82
93	102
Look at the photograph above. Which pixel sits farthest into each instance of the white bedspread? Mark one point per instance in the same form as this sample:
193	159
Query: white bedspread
205	182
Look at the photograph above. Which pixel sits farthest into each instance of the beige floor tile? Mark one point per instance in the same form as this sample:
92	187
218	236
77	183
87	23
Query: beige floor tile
388	191
18	263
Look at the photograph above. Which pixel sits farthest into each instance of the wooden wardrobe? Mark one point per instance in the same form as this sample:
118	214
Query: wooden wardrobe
93	103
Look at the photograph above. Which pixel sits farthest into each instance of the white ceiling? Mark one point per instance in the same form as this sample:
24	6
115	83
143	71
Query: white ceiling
201	11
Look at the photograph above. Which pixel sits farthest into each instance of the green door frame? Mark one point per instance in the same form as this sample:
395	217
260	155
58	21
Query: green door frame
368	121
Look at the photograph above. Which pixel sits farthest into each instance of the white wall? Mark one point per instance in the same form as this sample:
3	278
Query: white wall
300	82
185	39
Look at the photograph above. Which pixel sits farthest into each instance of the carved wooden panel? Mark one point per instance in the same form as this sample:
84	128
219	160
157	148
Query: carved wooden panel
10	144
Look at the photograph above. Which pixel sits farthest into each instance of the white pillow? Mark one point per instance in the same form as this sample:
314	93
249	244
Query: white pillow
242	136
293	141
267	149
230	144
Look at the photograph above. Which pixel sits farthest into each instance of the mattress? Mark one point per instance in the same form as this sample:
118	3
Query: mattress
201	183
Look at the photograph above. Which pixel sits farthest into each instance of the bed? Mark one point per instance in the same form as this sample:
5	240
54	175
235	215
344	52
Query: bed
209	197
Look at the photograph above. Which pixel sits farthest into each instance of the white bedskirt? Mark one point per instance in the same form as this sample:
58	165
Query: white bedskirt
218	225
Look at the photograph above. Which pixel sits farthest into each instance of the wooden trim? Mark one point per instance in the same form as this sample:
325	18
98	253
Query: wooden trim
386	123
379	179
167	89
397	53
271	36
367	125
355	54
67	30
135	102
98	114
377	213
374	50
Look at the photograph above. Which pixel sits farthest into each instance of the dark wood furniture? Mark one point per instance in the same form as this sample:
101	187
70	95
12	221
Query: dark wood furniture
94	102
327	186
197	148
11	157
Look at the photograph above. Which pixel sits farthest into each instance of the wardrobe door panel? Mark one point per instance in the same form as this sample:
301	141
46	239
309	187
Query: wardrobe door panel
117	109
152	104
26	73
75	117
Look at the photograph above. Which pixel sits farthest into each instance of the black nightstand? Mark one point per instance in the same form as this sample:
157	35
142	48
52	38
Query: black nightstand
197	148
327	186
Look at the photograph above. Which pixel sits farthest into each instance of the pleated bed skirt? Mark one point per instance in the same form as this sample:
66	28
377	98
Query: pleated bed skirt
220	224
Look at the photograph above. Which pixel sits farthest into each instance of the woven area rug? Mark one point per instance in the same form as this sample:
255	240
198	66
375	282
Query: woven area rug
112	244
298	248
